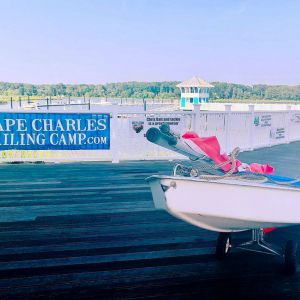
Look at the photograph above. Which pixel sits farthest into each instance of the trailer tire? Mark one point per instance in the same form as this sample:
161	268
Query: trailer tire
290	257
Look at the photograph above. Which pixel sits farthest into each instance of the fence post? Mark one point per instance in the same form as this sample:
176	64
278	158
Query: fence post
288	122
227	122
251	126
197	112
11	102
20	102
114	134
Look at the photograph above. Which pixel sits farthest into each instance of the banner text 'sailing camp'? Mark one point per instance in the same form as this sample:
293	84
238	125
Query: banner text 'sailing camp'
54	131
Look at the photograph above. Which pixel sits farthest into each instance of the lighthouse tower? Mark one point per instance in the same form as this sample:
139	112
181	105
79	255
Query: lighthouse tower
193	91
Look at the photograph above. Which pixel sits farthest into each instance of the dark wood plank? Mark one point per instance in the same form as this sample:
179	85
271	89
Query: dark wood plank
90	231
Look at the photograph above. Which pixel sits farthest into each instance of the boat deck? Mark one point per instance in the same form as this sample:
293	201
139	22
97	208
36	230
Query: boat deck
90	231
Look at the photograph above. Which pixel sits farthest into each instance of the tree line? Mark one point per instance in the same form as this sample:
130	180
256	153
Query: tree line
146	90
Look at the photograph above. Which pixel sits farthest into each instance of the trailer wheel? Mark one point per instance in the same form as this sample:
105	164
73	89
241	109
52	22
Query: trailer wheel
223	245
290	257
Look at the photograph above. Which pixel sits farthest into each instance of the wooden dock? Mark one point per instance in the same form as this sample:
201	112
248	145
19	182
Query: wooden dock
90	231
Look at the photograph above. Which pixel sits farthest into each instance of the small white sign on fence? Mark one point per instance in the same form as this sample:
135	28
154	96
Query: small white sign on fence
277	133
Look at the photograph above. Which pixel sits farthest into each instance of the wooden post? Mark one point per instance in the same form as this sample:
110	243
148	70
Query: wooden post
47	103
114	132
11	102
287	118
20	102
196	117
227	124
251	108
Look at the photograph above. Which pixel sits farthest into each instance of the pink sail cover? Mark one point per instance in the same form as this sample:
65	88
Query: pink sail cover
211	147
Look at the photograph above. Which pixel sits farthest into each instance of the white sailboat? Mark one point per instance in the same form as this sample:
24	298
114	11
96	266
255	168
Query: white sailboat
228	204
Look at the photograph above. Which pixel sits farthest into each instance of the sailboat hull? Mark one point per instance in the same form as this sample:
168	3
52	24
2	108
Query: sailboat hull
226	205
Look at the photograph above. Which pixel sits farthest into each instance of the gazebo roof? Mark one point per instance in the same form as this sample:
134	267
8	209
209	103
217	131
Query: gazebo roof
194	82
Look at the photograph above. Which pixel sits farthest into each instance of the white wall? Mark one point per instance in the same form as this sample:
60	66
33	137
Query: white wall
247	129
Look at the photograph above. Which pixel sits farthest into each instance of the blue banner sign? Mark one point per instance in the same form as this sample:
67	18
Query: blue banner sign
54	131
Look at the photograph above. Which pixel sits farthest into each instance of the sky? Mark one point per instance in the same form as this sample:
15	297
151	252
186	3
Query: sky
101	41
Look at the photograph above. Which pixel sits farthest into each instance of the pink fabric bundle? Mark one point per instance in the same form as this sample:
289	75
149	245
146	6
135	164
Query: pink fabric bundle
211	147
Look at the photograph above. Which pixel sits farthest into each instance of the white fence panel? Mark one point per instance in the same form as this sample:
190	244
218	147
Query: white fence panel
262	122
239	130
246	129
293	119
213	124
132	129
